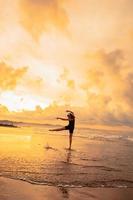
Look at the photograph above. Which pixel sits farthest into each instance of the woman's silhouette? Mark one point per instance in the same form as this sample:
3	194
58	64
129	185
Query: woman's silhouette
70	126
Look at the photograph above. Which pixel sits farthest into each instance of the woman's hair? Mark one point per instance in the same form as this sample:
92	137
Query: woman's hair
70	114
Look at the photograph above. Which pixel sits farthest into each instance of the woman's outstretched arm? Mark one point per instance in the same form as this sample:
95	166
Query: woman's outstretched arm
65	119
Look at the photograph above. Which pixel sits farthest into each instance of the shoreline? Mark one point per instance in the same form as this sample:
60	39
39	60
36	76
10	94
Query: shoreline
11	189
68	186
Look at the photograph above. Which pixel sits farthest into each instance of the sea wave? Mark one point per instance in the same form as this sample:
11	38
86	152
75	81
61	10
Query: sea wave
114	183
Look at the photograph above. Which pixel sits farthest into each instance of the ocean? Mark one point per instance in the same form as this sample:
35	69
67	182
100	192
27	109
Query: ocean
99	158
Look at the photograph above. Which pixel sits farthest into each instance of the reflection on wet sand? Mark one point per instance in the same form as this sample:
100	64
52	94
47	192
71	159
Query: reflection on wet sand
65	192
69	156
64	189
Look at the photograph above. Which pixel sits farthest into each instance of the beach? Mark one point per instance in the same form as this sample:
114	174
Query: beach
19	190
36	164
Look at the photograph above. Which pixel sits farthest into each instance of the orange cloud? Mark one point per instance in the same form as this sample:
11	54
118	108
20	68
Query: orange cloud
3	109
65	76
71	84
4	112
9	77
35	85
108	83
38	16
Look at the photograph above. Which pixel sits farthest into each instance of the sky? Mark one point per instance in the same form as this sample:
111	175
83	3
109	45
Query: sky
61	54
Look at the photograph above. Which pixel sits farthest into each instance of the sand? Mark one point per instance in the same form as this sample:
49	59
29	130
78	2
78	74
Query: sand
19	190
98	163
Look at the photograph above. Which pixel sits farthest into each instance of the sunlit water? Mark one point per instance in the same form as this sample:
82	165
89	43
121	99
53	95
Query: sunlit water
98	158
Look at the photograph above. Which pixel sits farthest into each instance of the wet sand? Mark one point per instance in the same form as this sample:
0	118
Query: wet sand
19	190
38	157
96	168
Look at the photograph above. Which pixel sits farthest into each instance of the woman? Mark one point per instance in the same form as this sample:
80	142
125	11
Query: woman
70	126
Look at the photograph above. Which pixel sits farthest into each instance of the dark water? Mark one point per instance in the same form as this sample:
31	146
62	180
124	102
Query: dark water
99	158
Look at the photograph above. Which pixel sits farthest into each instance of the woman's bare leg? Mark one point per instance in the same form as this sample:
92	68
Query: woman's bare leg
58	129
70	140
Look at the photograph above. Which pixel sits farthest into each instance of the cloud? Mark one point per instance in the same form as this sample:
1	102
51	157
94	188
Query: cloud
65	77
101	81
35	85
4	112
9	77
71	84
128	95
3	109
108	86
38	16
